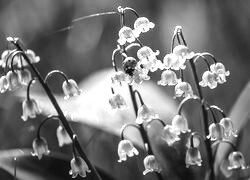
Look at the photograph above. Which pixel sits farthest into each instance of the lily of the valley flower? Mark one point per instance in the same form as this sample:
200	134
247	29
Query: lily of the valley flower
13	79
30	109
171	61
4	85
228	128
168	77
40	147
6	55
25	76
180	124
220	71
151	165
117	102
126	35
216	132
62	136
236	161
126	148
183	89
209	79
142	25
169	135
145	114
139	75
119	77
193	157
70	89
78	167
183	53
32	57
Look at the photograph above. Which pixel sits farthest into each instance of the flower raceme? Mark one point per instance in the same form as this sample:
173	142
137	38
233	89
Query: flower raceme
126	148
151	165
78	167
116	101
30	109
70	89
40	147
145	114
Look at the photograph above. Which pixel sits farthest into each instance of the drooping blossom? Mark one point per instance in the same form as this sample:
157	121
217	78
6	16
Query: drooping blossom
145	114
25	76
220	70
30	109
126	35
78	167
229	130
170	135
4	85
151	165
209	79
216	132
62	136
236	161
172	61
168	77
193	157
40	147
194	140
183	89
70	88
126	148
116	101
119	77
183	53
180	124
13	79
142	25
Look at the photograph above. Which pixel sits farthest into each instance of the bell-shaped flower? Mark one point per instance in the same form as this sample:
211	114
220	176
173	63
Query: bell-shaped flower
119	77
70	88
209	79
126	35
126	148
116	101
183	89
6	58
151	164
25	76
62	136
193	157
172	61
13	79
139	75
169	135
183	53
236	161
32	57
78	167
220	71
216	132
4	85
148	59
30	109
228	128
180	124
168	77
194	140
129	65
40	147
142	25
145	114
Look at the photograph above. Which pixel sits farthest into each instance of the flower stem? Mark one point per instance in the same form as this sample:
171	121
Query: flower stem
56	72
61	116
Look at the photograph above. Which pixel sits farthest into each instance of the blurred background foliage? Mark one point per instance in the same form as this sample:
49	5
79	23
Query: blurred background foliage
219	27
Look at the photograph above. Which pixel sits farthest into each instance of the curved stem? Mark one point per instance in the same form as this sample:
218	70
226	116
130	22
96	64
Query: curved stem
139	95
43	122
126	126
137	39
11	55
172	42
218	109
205	60
132	45
56	72
28	88
181	75
185	100
113	58
213	115
159	120
132	10
15	159
209	55
73	145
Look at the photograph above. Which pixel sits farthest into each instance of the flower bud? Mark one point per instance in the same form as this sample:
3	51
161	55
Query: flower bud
126	148
180	124
78	167
117	102
193	157
228	128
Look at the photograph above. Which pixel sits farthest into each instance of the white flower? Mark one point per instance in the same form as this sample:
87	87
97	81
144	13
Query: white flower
25	76
117	102
70	88
142	25
216	132
32	57
78	167
151	165
228	128
62	136
126	35
168	77
183	89
183	53
145	114
4	85
119	77
30	109
193	157
236	161
180	124
7	55
193	141
40	147
220	71
173	61
13	79
209	79
169	135
126	148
